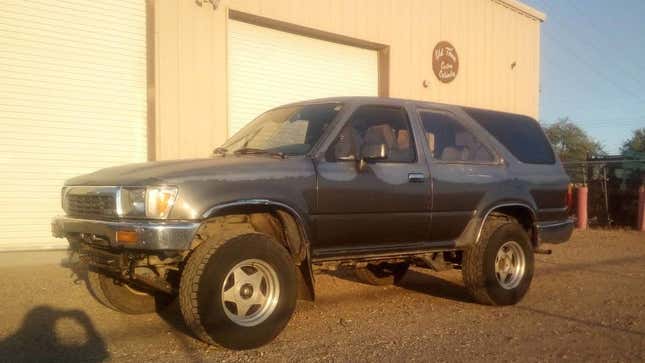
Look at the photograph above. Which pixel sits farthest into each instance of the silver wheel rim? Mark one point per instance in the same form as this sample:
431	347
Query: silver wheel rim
510	265
250	292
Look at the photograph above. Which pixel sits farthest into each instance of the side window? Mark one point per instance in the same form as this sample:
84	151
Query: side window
521	135
375	125
449	141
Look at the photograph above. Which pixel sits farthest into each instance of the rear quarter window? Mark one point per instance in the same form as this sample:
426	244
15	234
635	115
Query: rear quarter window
521	135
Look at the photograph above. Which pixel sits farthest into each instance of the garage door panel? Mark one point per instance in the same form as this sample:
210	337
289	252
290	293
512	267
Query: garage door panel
268	68
72	100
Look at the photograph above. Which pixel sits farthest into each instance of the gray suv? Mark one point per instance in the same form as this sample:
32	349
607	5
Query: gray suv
375	183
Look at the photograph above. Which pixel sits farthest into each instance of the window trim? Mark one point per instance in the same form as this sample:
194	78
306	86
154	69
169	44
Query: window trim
404	110
498	160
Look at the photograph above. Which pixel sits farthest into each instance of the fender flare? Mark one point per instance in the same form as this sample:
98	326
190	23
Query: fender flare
502	205
306	267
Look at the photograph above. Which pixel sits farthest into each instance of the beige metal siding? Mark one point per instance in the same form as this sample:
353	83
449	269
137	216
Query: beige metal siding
489	35
268	68
72	100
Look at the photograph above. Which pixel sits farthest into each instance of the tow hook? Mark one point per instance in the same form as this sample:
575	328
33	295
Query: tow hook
542	251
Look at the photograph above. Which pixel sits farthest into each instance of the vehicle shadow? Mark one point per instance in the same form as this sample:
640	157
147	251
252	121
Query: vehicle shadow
37	339
418	281
430	284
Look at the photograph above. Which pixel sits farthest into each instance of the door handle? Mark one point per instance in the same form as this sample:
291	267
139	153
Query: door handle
416	177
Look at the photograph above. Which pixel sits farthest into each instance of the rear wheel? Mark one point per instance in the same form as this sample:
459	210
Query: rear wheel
498	269
239	293
383	273
122	297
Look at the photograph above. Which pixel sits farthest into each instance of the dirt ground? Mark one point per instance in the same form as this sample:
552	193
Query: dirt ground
586	303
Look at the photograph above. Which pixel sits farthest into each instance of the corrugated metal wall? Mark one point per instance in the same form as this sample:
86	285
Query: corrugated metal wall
489	36
72	100
268	68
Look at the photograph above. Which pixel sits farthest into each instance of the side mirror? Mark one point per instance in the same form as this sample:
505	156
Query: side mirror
344	151
374	152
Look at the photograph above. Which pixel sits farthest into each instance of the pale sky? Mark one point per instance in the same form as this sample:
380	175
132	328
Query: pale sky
593	66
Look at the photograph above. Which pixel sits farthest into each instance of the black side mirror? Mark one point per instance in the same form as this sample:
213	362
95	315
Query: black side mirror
374	152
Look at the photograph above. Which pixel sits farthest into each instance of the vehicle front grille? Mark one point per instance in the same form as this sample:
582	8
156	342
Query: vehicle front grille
96	205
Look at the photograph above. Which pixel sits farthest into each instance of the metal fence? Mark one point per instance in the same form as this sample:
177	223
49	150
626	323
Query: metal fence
613	183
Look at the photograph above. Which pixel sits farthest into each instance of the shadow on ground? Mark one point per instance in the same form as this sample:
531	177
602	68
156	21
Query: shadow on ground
37	339
422	282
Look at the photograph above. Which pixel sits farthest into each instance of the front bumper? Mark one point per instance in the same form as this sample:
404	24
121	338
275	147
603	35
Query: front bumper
152	235
555	232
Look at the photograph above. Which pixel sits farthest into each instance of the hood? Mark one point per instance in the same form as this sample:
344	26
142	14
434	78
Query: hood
174	172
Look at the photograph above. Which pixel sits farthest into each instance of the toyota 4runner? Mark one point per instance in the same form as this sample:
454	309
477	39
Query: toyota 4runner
377	184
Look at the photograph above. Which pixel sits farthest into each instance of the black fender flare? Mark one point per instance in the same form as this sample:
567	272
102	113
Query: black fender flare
306	268
488	211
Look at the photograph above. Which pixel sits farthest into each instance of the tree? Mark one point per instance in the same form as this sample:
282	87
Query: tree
571	142
636	143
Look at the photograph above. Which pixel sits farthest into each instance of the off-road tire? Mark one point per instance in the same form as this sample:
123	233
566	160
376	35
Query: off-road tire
382	274
117	296
478	266
200	291
94	286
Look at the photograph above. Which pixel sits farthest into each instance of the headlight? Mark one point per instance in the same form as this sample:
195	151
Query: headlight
132	202
150	202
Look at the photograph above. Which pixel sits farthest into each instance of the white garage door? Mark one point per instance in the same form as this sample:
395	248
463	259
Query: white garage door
72	100
268	68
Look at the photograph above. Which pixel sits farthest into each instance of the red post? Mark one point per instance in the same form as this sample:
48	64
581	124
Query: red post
582	207
641	208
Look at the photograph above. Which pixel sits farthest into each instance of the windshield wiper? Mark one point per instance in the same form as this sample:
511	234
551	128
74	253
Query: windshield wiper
256	151
220	151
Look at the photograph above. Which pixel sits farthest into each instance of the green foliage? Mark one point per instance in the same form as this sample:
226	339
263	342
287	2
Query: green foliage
571	142
636	143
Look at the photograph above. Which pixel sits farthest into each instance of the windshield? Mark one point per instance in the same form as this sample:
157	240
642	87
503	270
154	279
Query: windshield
291	130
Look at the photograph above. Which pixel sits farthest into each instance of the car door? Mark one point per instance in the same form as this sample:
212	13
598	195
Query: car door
463	168
374	205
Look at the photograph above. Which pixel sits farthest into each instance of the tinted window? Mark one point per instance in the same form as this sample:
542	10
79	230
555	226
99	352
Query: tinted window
450	141
521	135
292	130
374	125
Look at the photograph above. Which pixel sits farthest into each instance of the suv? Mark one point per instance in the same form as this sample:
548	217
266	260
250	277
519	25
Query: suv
375	183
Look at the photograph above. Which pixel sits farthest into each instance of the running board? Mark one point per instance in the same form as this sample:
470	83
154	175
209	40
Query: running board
379	252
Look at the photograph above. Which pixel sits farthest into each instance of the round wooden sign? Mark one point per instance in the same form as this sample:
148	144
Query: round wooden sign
445	62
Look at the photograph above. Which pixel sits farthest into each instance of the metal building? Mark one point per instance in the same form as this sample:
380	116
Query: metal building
90	84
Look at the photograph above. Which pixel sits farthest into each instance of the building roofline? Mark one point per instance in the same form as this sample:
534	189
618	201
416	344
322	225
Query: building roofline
523	9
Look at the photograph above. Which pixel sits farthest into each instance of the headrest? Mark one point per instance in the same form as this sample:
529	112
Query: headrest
380	134
464	139
403	139
431	142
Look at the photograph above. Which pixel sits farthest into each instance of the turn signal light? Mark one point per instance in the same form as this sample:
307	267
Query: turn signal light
127	236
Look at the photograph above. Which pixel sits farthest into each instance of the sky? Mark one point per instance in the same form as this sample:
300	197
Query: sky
593	66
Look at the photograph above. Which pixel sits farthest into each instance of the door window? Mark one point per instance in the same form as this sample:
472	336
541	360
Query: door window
375	125
449	141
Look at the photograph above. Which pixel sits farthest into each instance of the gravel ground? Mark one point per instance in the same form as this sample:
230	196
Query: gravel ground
586	303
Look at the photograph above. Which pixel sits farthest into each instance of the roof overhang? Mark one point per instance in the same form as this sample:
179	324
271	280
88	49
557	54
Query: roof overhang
523	9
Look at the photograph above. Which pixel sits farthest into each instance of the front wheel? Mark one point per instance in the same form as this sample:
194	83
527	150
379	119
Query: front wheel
124	298
498	270
239	293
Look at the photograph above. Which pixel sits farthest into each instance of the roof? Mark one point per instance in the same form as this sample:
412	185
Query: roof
522	8
392	101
